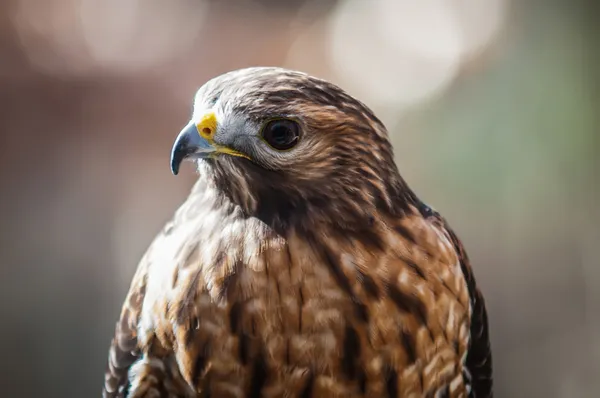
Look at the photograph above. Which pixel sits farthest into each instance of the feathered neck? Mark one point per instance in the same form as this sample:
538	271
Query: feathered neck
349	210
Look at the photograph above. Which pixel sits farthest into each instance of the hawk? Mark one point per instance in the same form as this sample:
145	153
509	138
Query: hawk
301	264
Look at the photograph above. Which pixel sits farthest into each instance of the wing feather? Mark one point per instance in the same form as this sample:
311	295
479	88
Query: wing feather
479	354
124	350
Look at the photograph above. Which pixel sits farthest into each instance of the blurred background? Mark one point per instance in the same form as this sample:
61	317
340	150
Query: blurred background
492	107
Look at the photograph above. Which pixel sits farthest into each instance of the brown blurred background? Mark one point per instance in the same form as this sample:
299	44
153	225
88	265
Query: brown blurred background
493	110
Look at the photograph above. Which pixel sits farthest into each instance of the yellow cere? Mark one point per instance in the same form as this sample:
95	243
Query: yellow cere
207	126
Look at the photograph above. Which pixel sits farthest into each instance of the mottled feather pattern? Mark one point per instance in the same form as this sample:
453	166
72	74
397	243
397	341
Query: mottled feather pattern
325	277
402	312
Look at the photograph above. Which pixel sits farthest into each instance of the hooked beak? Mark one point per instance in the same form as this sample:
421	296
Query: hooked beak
195	140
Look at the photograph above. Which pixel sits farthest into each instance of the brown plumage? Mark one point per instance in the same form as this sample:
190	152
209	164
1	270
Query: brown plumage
307	271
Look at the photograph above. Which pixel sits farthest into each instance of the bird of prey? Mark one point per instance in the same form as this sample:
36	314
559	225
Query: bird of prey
301	264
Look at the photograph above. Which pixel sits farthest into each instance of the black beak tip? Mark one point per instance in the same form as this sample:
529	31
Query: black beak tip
176	159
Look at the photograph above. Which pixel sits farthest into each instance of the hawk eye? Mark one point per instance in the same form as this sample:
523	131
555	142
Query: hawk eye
281	134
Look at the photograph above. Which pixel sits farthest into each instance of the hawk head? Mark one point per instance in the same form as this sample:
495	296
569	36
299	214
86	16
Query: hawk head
292	150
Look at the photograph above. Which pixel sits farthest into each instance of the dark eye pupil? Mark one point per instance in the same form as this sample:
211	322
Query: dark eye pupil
281	134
